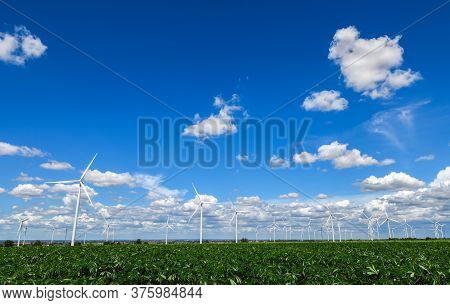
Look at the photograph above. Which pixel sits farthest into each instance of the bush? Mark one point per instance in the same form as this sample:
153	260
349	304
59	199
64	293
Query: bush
244	240
37	243
8	243
138	241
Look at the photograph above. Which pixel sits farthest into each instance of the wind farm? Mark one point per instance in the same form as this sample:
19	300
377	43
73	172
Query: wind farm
172	143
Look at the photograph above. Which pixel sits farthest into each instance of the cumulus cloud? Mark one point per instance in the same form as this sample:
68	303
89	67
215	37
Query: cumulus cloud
395	180
151	183
278	162
24	177
216	124
108	178
27	191
325	101
304	158
442	178
248	200
370	66
2	190
340	156
290	196
322	196
425	158
56	165
7	149
16	48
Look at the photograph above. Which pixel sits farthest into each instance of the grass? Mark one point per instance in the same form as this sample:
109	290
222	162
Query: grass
392	262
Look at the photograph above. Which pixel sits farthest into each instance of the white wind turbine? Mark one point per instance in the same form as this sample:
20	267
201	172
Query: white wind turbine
200	205
52	229
388	221
167	226
273	227
257	232
108	226
19	232
77	208
235	218
436	226
24	235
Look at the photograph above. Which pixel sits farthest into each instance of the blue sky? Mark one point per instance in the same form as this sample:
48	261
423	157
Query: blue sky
391	105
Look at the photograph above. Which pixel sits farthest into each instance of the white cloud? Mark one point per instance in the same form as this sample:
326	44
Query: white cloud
425	158
23	177
56	165
325	101
2	190
27	191
322	196
277	162
290	196
7	149
304	158
18	47
442	178
392	181
108	178
248	200
151	183
370	66
340	156
215	124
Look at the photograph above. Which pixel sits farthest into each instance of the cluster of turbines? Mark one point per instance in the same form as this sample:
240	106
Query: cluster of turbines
333	220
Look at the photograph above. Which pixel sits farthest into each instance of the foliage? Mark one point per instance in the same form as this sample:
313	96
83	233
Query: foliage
388	262
8	243
138	241
37	243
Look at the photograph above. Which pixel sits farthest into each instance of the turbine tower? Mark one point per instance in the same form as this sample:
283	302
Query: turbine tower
235	218
19	232
200	205
168	226
81	186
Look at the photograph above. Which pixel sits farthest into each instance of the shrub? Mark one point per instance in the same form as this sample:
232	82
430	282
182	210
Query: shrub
37	243
8	243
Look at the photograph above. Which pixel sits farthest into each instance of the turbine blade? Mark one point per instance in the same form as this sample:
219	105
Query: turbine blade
193	213
195	189
234	216
87	168
62	182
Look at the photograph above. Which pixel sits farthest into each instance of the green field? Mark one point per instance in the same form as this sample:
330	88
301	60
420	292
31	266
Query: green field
393	262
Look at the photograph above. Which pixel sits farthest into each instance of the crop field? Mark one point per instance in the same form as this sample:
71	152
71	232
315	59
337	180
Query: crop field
393	262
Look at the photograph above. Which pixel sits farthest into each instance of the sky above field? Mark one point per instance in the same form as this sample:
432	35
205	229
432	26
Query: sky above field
365	84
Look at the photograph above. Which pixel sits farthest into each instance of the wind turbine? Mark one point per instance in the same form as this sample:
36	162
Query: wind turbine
388	221
436	226
65	236
53	228
81	186
107	227
200	205
273	227
19	232
257	232
168	226
235	218
24	235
